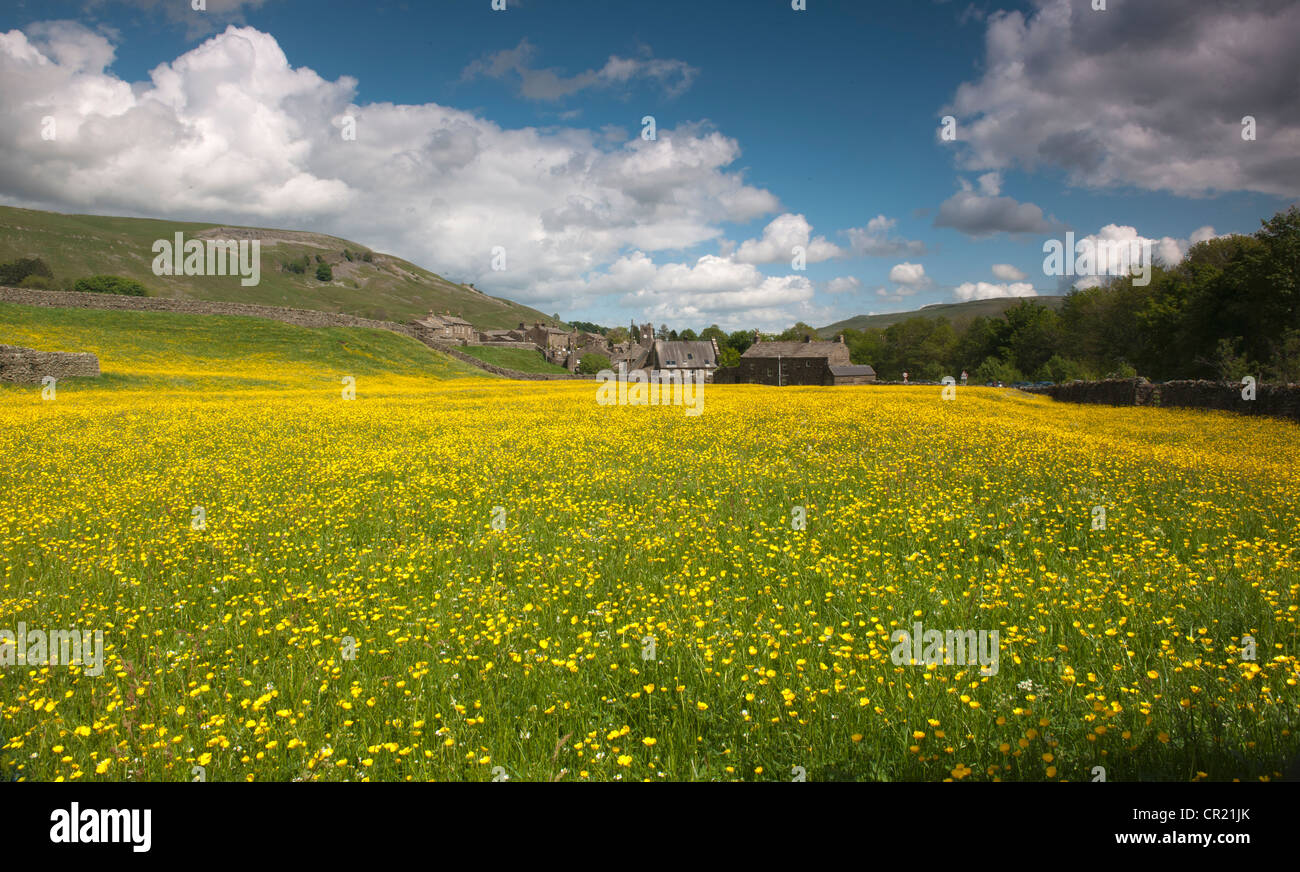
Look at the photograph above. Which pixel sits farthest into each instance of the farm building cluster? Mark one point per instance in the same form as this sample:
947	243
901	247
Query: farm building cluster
804	362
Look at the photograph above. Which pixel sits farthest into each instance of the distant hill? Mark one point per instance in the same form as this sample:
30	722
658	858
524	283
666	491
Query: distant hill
386	288
958	313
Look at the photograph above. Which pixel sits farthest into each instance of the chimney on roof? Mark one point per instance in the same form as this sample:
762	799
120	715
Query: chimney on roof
807	337
840	338
757	337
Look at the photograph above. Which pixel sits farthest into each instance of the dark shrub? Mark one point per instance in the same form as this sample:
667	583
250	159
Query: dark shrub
13	272
110	285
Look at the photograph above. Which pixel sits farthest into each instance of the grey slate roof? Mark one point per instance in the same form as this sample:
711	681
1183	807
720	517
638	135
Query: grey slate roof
685	355
856	369
791	349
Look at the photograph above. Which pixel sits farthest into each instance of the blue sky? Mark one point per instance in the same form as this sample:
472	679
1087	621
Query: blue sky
520	129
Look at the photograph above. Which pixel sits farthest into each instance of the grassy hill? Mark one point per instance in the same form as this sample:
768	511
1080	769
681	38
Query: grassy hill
957	313
387	288
169	351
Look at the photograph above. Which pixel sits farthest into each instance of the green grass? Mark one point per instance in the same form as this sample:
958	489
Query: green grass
76	246
163	349
521	359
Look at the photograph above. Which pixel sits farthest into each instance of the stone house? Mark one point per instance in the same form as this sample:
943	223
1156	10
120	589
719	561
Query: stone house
699	356
548	339
447	327
806	362
663	355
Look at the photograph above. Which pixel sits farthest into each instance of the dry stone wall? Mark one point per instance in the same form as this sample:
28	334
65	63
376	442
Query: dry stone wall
29	366
1273	400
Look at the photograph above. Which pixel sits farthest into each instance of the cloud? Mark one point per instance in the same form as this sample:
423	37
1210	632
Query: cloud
780	237
1118	245
985	213
877	240
989	291
672	76
230	131
713	289
990	184
912	275
842	285
1148	94
1008	273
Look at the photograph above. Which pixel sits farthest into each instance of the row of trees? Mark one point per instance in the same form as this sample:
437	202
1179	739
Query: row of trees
1230	308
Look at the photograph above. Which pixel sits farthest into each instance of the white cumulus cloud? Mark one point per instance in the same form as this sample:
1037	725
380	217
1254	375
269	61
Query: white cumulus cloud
779	239
910	274
1119	248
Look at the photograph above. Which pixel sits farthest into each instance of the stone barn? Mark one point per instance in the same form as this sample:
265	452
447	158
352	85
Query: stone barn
806	362
850	375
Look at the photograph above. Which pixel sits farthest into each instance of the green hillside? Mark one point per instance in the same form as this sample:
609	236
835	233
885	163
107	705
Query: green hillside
166	350
386	288
959	314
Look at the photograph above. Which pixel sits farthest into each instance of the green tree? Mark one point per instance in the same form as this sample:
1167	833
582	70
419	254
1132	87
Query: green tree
324	273
1033	334
867	347
592	363
920	346
996	369
13	272
1058	369
715	333
798	332
741	340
